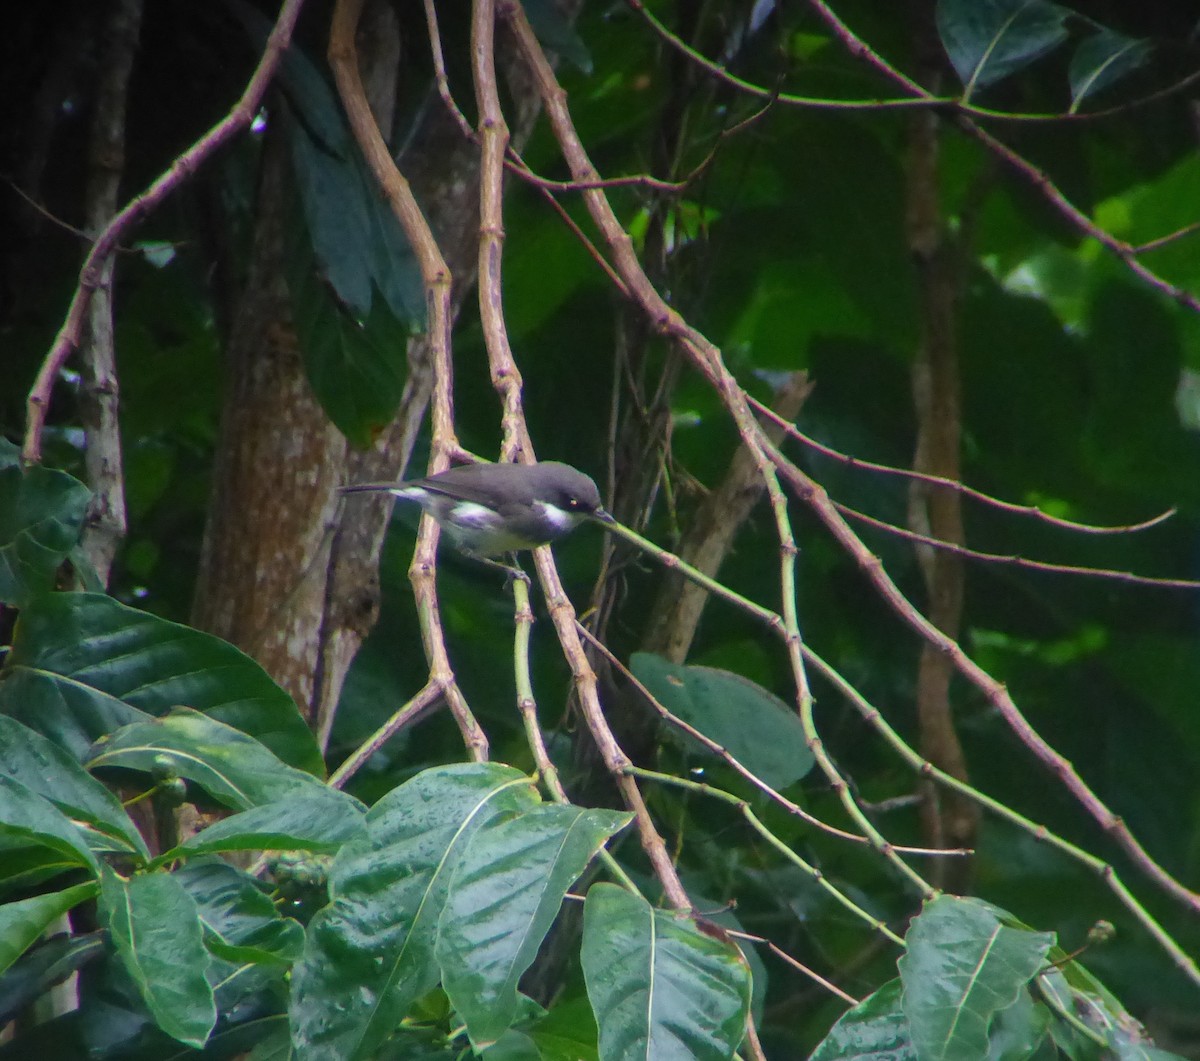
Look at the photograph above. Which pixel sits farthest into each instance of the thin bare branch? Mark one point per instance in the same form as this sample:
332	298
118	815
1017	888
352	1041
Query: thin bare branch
1032	511
436	276
90	275
1016	561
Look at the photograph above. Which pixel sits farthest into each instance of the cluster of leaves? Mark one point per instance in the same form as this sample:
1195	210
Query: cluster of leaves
453	878
423	912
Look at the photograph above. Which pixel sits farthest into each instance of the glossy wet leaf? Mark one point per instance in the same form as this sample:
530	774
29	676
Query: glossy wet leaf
874	1030
660	987
155	926
22	922
987	40
369	954
753	725
309	819
504	896
41	515
45	768
963	965
29	818
83	664
232	767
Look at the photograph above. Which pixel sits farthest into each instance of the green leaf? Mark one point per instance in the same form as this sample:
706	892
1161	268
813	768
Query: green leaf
155	927
1017	1031
512	1046
240	922
555	32
754	726
314	819
659	986
1102	60
874	1030
252	946
504	896
22	922
568	1032
987	40
233	768
356	369
961	968
43	767
45	965
27	817
41	515
359	244
369	954
101	658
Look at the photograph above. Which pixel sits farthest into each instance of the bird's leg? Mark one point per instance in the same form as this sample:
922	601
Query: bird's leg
513	571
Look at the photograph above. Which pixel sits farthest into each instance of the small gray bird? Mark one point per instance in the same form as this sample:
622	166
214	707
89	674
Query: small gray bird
489	509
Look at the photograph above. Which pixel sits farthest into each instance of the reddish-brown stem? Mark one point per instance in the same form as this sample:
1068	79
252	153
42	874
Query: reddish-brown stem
90	275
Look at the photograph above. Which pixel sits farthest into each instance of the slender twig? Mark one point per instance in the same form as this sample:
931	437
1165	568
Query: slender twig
707	360
731	760
799	966
437	281
1008	560
872	716
742	807
1170	237
238	119
919	97
997	695
506	378
922	101
439	71
404	716
527	706
1031	511
1080	221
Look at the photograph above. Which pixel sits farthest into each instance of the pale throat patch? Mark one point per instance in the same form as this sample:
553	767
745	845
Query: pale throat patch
558	518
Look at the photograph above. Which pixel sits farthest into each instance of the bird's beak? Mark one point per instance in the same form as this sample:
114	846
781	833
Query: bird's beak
600	516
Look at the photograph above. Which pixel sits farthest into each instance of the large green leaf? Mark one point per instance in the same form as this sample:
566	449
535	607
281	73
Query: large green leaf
310	819
233	768
369	954
987	40
44	767
356	368
240	922
963	965
359	244
659	986
45	965
41	514
22	922
251	944
92	651
504	896
1102	60
155	927
1017	1031
29	818
754	726
874	1030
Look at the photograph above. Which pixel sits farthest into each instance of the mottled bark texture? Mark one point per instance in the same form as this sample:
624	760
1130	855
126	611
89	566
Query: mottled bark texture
286	574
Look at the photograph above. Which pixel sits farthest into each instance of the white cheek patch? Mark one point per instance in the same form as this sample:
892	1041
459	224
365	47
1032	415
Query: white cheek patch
469	514
560	519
